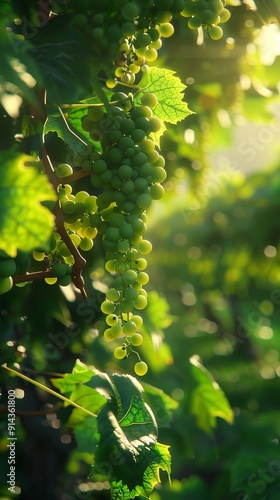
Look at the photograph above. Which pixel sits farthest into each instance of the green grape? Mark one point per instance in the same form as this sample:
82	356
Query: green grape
136	339
86	244
117	220
143	123
99	166
123	246
95	220
155	124
141	184
142	278
133	68
39	256
151	55
126	306
65	280
112	234
6	284
166	30
138	135
128	187
130	276
125	143
154	34
110	266
112	320
216	6
68	207
163	16
137	320
131	294
87	125
127	126
140	302
63	170
224	15
142	40
149	99
111	83
128	28
158	174
116	330
139	159
50	281
125	172
97	33
108	337
145	247
7	268
59	270
144	201
147	146
156	191
139	227
113	295
126	231
215	32
120	352
194	23
75	238
90	233
107	307
140	368
140	264
156	45
130	11
129	327
81	196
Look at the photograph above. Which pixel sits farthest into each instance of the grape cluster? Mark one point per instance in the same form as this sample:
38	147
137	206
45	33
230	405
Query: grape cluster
131	36
130	172
77	210
206	13
10	267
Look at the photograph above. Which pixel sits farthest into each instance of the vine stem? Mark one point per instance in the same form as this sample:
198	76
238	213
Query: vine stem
20	278
49	390
79	174
79	261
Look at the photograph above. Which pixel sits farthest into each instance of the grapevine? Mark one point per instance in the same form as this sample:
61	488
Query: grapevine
112	135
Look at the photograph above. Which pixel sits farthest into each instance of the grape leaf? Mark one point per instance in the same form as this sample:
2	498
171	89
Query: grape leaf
208	400
16	61
161	404
24	223
123	436
155	459
169	91
87	435
56	51
80	374
55	123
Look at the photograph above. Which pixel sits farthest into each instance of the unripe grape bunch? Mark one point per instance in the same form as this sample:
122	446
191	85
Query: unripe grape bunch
129	171
206	13
121	161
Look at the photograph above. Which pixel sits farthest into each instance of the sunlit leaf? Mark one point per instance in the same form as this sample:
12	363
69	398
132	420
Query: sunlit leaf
169	91
208	400
24	223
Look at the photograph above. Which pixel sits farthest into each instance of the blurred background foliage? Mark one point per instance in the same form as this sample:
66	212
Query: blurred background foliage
214	286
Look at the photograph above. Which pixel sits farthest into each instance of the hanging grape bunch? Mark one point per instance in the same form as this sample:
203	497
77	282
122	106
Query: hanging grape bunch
123	120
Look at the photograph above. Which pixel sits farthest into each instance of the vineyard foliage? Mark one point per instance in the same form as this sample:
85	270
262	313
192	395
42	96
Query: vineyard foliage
139	241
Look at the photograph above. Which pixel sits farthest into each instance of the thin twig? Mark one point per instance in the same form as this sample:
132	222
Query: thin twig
39	275
79	261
